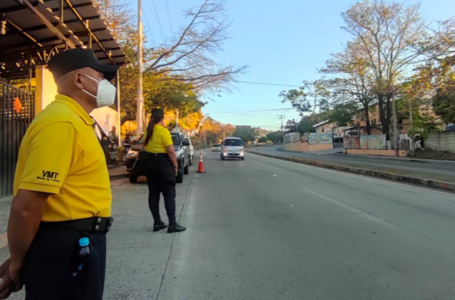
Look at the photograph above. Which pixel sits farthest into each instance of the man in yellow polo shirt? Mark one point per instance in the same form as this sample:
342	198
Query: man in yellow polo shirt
61	209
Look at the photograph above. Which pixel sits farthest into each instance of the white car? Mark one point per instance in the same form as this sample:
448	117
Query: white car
216	148
232	147
188	140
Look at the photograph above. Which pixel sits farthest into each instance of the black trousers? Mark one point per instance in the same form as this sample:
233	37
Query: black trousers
161	180
50	262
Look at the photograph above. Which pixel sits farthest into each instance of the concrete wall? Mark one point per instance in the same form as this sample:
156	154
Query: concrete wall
441	141
401	153
292	137
106	118
316	139
305	147
46	89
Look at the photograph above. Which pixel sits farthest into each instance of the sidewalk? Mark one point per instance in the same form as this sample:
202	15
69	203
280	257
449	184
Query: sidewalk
409	159
118	172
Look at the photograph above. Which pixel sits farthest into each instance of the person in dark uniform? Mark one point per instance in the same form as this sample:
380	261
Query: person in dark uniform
161	168
62	195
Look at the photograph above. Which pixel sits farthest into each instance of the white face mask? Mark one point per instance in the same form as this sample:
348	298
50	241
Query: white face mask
105	96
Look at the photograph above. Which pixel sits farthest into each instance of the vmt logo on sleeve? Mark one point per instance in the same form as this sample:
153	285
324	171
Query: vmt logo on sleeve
49	176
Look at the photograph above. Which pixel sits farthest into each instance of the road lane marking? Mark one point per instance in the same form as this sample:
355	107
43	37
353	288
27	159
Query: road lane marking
352	209
3	240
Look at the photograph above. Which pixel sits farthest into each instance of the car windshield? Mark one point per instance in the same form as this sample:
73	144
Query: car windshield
175	139
216	145
233	142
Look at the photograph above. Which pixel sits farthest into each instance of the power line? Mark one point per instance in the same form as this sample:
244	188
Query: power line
265	83
169	16
149	28
158	18
250	111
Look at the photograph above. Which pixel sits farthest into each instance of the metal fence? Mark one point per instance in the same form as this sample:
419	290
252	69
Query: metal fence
17	109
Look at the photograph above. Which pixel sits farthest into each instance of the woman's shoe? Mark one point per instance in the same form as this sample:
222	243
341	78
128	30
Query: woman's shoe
159	226
175	228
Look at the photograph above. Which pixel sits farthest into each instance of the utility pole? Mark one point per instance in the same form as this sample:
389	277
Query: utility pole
394	116
411	144
282	127
140	99
177	119
205	133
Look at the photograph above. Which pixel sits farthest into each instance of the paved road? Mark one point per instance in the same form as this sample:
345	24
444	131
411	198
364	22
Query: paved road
439	170
270	229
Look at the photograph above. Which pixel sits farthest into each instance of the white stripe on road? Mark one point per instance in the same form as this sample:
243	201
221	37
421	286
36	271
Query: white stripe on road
350	208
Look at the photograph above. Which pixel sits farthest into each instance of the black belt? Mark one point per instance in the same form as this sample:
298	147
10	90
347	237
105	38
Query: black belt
92	225
156	154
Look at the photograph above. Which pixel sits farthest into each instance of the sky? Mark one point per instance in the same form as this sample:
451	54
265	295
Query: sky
282	42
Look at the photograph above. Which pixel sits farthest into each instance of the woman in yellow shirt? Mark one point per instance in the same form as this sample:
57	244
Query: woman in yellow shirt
161	167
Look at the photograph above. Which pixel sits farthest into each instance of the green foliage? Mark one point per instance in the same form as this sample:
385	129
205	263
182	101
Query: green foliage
444	105
168	94
262	140
276	136
311	96
246	133
342	113
307	122
423	125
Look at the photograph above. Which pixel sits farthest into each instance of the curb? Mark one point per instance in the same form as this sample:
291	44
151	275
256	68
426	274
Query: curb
118	176
424	182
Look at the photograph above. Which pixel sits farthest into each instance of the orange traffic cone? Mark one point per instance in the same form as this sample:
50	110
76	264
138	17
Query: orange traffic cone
201	164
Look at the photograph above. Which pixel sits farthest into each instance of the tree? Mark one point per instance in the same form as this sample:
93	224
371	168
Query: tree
246	133
342	114
306	124
291	126
444	105
388	34
190	57
275	136
263	139
175	75
356	85
311	96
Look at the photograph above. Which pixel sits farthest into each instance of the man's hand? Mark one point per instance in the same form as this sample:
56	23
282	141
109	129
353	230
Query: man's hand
15	273
7	285
175	170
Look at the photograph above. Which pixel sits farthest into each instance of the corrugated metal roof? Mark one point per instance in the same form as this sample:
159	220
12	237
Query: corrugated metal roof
14	44
320	123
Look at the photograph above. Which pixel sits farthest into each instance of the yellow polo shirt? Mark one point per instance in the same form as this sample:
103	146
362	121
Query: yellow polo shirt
161	138
60	154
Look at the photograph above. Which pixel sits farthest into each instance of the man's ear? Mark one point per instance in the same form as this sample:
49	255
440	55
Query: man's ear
78	80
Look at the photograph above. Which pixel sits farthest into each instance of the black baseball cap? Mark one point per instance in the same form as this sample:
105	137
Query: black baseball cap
78	58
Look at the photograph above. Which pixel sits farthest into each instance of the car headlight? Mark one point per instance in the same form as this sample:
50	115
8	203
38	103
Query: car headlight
242	153
132	154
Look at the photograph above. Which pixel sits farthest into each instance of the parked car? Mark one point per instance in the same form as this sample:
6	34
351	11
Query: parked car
191	157
216	148
232	147
182	151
